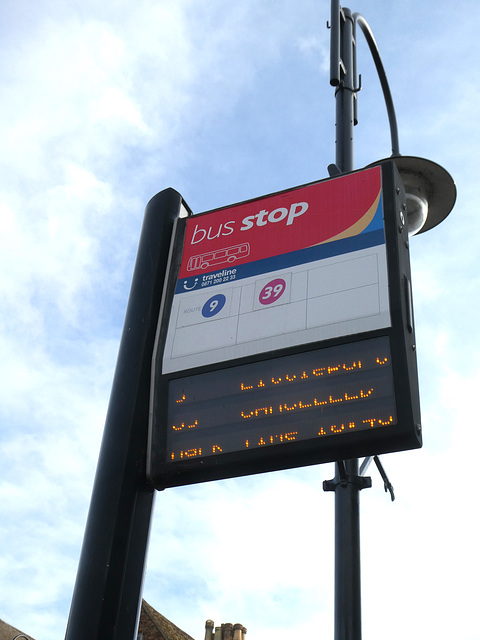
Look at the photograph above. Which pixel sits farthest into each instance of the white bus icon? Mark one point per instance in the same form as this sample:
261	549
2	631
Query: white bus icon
219	256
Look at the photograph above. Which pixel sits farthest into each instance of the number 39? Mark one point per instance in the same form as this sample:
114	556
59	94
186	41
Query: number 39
272	291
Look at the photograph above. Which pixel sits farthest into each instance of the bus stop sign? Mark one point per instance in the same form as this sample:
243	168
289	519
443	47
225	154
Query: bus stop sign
286	334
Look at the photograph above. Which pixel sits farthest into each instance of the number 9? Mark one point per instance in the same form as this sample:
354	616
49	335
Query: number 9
213	305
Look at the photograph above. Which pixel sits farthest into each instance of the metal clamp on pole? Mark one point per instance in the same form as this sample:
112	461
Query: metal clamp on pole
342	478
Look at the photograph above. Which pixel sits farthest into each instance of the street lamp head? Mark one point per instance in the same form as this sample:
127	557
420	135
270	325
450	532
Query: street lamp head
417	210
430	192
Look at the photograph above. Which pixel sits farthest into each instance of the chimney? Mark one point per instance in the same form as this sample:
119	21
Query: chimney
227	631
239	632
209	630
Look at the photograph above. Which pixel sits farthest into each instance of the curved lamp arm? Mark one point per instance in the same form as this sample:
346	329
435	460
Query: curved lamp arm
367	32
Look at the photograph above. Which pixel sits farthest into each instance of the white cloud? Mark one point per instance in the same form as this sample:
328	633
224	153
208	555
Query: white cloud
102	105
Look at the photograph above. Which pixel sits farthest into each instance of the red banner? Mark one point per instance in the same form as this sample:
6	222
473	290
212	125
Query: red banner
282	222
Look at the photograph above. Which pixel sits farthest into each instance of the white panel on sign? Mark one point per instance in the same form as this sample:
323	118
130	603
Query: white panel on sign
361	302
343	275
299	286
275	321
207	337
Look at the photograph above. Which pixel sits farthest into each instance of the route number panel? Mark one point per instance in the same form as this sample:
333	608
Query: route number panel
305	303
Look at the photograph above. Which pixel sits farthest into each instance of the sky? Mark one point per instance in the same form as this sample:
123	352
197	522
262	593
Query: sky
105	104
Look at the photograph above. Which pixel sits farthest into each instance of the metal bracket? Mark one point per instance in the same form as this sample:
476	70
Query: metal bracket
386	482
343	479
333	170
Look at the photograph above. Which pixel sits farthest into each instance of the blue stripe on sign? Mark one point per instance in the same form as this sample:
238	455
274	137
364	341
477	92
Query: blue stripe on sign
283	261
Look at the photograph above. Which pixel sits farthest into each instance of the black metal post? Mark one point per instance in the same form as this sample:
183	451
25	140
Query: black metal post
345	90
107	595
347	483
348	614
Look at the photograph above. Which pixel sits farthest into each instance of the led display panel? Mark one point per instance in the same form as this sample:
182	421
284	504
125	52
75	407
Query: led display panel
293	398
286	334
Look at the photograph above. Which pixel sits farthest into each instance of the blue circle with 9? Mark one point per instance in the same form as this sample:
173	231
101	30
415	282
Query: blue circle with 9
213	305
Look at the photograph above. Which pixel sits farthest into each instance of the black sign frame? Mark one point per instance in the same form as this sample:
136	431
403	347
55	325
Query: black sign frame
404	434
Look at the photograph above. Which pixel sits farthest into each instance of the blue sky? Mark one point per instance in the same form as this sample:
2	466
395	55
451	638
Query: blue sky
102	107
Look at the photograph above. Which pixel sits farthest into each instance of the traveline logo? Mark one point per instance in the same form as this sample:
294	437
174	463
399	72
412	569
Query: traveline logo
259	219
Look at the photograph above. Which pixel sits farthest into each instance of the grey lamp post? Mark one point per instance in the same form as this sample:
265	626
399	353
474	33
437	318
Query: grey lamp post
430	196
